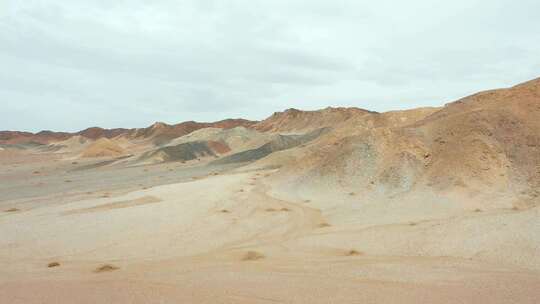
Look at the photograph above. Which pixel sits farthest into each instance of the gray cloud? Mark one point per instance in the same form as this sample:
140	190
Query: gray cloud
72	64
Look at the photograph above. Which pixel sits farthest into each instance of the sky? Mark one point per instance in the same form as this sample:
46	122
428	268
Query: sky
70	64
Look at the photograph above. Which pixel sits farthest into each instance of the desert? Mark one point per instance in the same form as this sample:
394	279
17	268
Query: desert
338	205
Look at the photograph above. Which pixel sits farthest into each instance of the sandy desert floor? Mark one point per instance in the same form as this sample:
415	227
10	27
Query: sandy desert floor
73	232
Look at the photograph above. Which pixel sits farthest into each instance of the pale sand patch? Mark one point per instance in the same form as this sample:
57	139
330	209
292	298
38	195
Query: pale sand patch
117	205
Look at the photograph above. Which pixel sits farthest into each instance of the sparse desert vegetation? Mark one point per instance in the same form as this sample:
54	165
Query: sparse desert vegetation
53	264
106	268
353	252
252	256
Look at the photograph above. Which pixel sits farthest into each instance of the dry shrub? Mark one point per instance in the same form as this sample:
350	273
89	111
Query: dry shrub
323	225
224	211
68	181
477	210
106	268
53	264
352	193
12	210
307	201
270	210
252	256
354	252
285	209
412	224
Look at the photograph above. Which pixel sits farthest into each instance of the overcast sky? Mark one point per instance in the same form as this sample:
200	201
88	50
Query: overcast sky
71	64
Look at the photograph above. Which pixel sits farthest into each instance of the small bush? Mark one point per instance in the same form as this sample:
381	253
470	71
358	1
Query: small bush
106	268
53	264
353	252
324	225
252	256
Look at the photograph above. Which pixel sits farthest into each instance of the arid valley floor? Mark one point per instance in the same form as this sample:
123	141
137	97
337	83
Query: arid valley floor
340	205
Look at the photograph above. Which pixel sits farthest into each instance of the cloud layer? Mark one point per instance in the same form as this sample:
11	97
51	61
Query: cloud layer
67	65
